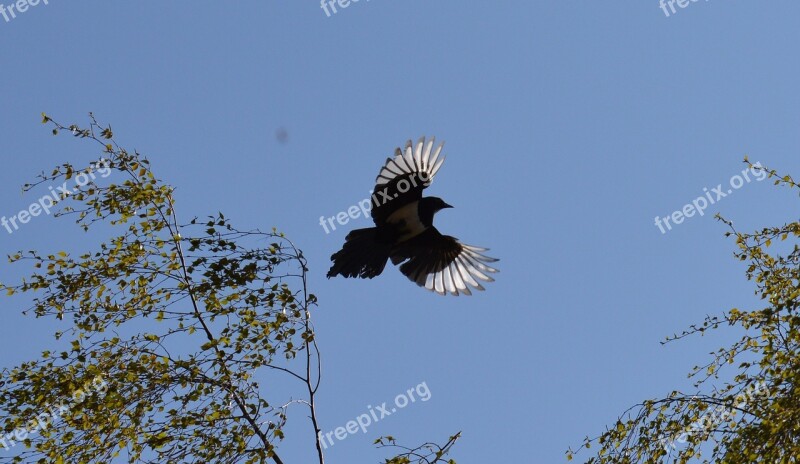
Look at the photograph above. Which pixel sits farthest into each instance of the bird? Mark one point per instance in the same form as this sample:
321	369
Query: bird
404	232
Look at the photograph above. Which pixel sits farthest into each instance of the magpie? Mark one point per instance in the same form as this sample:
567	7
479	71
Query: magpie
404	230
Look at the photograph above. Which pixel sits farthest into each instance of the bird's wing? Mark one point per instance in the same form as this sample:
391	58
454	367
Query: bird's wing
404	176
442	264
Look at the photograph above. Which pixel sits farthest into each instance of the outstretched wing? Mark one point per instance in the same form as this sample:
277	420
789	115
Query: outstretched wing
403	177
442	264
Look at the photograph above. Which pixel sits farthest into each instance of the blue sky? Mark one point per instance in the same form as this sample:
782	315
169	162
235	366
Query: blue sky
569	126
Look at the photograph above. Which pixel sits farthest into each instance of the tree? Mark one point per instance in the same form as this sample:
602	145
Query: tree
120	382
755	416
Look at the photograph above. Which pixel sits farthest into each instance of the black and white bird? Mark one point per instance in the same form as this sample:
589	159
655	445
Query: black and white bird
404	230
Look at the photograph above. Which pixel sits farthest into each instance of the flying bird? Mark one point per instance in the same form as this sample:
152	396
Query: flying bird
404	230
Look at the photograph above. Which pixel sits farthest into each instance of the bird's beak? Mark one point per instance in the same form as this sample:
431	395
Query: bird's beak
447	206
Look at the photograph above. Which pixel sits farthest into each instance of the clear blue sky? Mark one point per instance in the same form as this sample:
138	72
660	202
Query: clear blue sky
569	126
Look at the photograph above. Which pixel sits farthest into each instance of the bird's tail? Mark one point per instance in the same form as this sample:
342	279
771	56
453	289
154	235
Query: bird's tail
363	255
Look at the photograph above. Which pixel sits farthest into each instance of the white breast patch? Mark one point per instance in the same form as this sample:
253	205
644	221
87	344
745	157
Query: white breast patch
407	218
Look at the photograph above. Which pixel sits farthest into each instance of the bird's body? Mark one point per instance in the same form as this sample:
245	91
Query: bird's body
404	230
407	221
413	219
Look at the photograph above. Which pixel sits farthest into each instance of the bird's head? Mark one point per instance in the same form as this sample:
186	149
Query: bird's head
429	206
436	204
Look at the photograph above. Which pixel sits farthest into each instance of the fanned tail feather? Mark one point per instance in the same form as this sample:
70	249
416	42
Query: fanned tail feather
363	255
